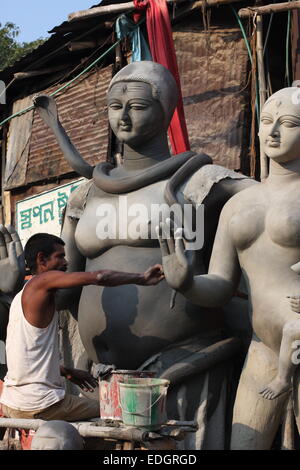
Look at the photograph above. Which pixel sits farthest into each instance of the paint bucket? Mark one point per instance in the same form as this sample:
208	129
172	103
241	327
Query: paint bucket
109	391
143	402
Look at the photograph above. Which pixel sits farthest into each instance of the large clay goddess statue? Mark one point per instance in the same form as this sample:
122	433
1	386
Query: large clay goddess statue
259	235
129	325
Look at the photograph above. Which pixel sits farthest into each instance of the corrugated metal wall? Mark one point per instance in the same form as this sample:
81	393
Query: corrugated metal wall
82	111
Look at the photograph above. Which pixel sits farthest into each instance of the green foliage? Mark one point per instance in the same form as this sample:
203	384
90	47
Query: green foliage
10	49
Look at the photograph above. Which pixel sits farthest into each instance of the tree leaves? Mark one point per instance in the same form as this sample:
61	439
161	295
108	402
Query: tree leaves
10	49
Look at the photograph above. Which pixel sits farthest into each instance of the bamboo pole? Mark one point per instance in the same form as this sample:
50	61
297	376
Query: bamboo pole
85	429
262	87
122	7
174	429
266	9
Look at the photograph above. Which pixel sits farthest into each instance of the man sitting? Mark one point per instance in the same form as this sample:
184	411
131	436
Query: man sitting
32	386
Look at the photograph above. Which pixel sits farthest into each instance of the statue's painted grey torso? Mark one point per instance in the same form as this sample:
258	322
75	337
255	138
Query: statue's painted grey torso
125	325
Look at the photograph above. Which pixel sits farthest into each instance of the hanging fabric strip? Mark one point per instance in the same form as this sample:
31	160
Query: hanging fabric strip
163	51
126	27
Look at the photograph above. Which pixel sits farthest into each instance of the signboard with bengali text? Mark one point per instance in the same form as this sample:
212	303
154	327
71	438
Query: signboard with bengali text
43	212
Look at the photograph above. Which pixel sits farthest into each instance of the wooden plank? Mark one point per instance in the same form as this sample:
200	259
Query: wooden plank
34	73
267	9
122	7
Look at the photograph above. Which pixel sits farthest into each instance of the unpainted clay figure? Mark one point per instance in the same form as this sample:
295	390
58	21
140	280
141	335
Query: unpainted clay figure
129	326
259	235
287	362
12	272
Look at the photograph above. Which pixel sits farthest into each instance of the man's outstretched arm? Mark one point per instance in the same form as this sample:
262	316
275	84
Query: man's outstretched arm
52	280
38	295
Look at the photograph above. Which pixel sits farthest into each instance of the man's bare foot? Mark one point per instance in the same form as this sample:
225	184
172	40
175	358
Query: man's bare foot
275	388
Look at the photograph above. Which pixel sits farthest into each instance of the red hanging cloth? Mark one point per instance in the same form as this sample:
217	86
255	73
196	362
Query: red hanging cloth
163	52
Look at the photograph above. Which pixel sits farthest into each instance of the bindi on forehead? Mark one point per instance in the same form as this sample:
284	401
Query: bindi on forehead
278	103
273	107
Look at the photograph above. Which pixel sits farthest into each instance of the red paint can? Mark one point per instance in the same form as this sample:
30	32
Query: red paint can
109	391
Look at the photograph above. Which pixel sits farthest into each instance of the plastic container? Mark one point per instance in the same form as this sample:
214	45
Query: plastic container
143	402
109	391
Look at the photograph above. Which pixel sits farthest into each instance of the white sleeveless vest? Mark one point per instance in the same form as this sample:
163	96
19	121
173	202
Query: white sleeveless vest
33	380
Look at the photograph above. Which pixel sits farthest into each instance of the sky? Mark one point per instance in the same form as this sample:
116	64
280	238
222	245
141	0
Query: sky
36	17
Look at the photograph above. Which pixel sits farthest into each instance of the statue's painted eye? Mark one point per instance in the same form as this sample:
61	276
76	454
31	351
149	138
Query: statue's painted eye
266	121
138	106
288	123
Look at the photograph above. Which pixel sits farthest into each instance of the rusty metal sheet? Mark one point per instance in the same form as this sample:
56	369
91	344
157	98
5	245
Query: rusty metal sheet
18	145
82	111
214	72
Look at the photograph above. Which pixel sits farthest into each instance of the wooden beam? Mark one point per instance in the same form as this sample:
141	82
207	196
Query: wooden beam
99	11
267	9
35	73
81	45
122	7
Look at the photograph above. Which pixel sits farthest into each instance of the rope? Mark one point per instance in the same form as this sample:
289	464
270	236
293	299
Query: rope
243	33
249	54
62	88
268	33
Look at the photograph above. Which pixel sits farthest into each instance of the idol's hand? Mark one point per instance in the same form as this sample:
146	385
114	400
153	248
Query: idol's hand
12	262
177	263
47	109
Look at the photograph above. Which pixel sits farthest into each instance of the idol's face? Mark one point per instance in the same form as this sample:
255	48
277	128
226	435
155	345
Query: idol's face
279	130
134	115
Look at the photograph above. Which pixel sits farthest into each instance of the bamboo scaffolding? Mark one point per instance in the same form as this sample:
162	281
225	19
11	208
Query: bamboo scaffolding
85	429
123	433
262	87
266	9
123	7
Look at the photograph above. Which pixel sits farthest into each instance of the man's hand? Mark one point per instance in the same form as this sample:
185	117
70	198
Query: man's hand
177	263
82	378
12	262
153	275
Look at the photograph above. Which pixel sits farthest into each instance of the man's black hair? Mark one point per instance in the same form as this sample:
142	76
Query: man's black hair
40	242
